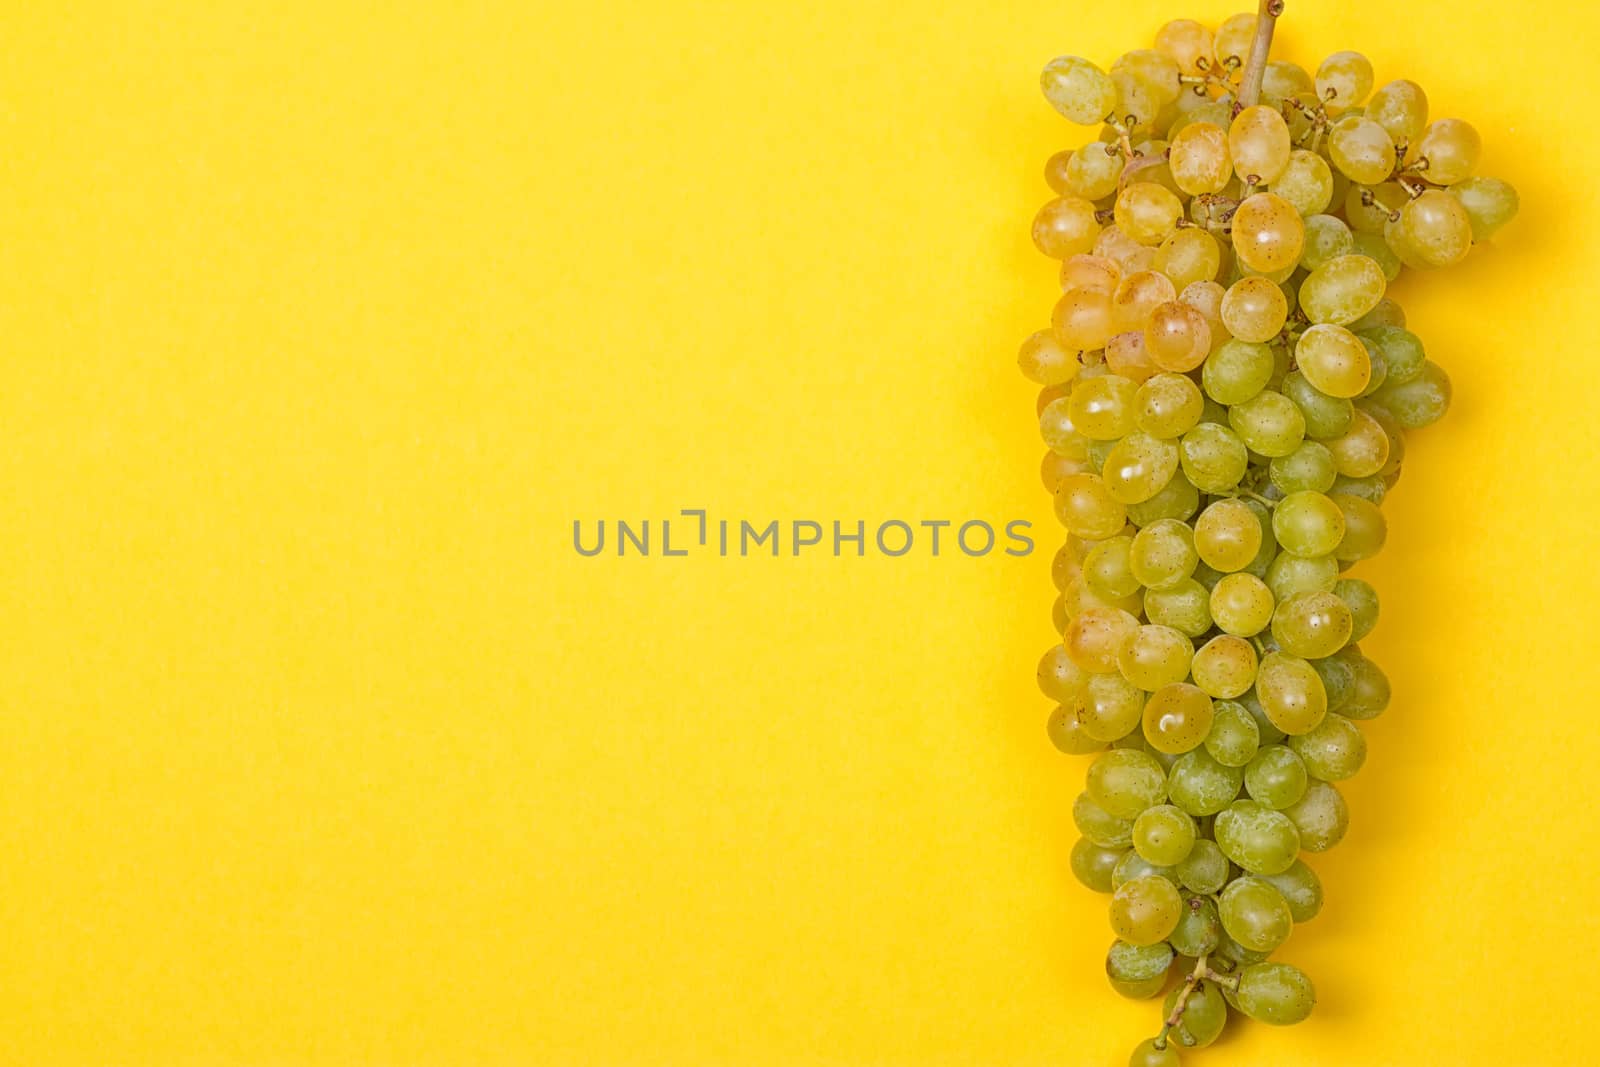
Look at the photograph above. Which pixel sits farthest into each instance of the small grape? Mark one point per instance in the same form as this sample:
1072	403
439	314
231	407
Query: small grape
1275	777
1489	202
1145	910
1094	637
1325	416
1108	707
1087	509
1254	310
1082	319
1256	837
1067	733
1320	817
1451	148
1092	864
1177	337
1205	869
1078	89
1333	751
1275	993
1177	718
1242	605
1163	835
1308	468
1234	738
1156	656
1343	80
1401	108
1224	667
1343	289
1200	785
1301	889
1361	450
1123	782
1188	43
1312	625
1138	971
1090	272
1199	159
1268	235
1365	528
1416	403
1306	182
1147	212
1259	144
1187	256
1148	1054
1137	297
1163	554
1361	149
1291	693
1185	607
1255	914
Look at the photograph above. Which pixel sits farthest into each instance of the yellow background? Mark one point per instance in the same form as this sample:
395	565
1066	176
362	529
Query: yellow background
323	321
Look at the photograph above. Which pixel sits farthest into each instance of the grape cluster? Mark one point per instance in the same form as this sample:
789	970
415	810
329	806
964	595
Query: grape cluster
1226	394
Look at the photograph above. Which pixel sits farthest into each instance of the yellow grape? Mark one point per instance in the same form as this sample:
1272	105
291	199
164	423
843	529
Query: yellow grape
1065	226
1190	255
1137	295
1127	358
1123	250
1199	159
1087	271
1044	359
1267	233
1258	141
1254	309
1147	212
1178	337
1082	319
1452	148
1361	149
1187	43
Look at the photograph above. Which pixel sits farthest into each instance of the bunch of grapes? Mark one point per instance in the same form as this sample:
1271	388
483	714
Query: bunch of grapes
1226	393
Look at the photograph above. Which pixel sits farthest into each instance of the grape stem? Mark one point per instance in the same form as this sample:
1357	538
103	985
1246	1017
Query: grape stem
1229	982
1200	972
1256	68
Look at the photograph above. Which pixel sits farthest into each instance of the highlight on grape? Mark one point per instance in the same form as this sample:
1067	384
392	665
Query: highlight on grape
1226	390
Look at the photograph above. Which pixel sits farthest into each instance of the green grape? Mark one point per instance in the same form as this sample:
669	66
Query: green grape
1154	68
1308	468
1200	785
1334	360
1186	608
1275	993
1269	423
1362	600
1361	450
1148	1054
1276	777
1489	202
1451	148
1213	457
1255	914
1289	574
1307	524
1043	359
1283	78
1199	930
1369	697
1268	235
1145	910
1097	453
1327	238
1163	835
1401	108
1099	825
1368	208
1365	528
1257	838
1095	636
1338	679
1419	402
1187	43
1062	437
1078	89
1189	255
1233	956
1361	149
1325	416
1312	625
1204	1015
1375	248
1242	605
1343	80
1060	679
1234	738
1238	370
1291	693
1433	230
1177	718
1342	290
1306	183
1199	159
1334	751
1138	971
1091	172
1103	408
1108	707
1123	782
1224	667
1301	889
1320	817
1092	864
1177	502
1106	568
1227	535
1068	735
1205	869
1147	212
1168	405
1253	309
1259	144
1065	227
1163	554
1138	467
1402	352
1082	318
1155	656
1087	509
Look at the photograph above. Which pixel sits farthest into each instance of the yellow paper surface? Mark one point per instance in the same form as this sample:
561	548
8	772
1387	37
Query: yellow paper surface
322	322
